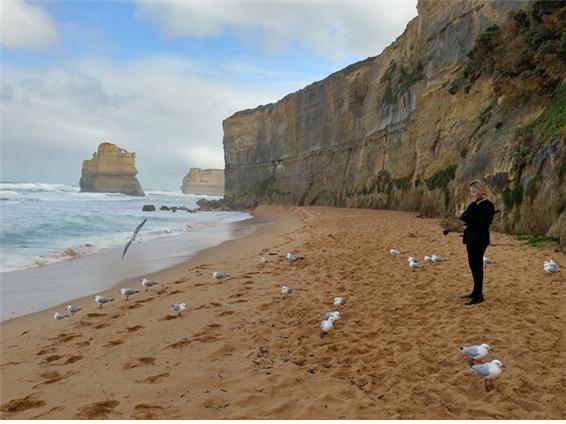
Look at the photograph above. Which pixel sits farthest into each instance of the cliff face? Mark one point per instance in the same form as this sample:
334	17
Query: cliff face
446	103
207	181
111	170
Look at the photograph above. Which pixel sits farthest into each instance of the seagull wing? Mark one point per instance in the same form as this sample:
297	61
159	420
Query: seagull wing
127	247
481	369
471	351
138	228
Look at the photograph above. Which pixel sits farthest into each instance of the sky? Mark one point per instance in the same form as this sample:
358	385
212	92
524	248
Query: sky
159	77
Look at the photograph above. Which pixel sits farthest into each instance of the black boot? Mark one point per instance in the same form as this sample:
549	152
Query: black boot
476	300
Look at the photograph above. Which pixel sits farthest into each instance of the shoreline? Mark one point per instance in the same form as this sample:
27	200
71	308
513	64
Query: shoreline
241	351
150	258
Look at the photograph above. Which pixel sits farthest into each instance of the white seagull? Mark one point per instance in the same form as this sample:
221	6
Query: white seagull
475	352
59	316
488	261
286	291
178	307
128	292
73	309
427	259
291	257
101	300
394	252
219	275
411	259
339	301
437	259
489	371
262	260
326	326
551	267
414	265
148	283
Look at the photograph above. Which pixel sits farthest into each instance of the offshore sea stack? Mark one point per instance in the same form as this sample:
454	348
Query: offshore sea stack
111	170
204	181
471	89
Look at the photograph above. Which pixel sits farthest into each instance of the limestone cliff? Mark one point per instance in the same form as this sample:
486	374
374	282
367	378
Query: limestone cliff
111	170
207	181
471	89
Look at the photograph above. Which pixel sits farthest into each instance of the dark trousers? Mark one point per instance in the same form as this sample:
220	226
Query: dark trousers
475	260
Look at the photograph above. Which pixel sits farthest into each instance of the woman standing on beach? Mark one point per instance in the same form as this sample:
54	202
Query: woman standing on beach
477	216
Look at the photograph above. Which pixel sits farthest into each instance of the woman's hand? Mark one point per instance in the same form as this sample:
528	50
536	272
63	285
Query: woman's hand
459	214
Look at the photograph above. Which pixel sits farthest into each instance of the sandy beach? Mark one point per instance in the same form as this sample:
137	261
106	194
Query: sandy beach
241	351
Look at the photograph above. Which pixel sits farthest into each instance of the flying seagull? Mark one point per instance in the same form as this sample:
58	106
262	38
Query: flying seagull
136	231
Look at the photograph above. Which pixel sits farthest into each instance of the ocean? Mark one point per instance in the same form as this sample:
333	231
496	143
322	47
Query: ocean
45	229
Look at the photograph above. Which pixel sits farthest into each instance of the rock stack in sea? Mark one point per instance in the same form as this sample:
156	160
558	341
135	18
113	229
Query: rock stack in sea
111	170
204	181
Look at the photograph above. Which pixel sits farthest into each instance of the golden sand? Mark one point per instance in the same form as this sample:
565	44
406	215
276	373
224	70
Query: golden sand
241	351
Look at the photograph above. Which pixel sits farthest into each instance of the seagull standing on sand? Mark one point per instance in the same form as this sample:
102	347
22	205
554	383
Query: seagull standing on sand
136	231
219	276
339	301
291	257
262	260
551	267
332	314
414	265
178	307
488	261
394	252
148	283
427	259
489	371
437	259
326	326
59	316
475	352
73	309
286	291
128	292
101	300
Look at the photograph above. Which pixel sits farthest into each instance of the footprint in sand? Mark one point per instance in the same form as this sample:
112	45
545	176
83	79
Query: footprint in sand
46	350
225	313
97	410
18	405
155	378
52	377
180	344
176	292
134	328
168	317
54	409
140	362
94	315
147	412
64	337
113	343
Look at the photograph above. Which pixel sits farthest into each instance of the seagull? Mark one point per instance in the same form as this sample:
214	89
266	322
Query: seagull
101	300
326	326
128	292
219	275
411	259
414	265
59	316
487	260
427	259
488	370
437	259
136	231
551	267
148	283
291	257
394	252
73	309
475	352
178	307
262	260
333	314
286	291
339	301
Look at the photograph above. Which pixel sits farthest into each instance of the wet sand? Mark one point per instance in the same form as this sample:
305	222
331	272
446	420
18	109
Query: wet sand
241	351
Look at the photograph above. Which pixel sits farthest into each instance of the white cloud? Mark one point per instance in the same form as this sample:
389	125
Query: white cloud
24	25
333	29
166	109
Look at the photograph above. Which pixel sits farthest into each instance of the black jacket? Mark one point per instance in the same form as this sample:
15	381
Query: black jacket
478	217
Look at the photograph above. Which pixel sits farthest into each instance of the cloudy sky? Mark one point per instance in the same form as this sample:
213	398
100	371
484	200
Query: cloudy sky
158	77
